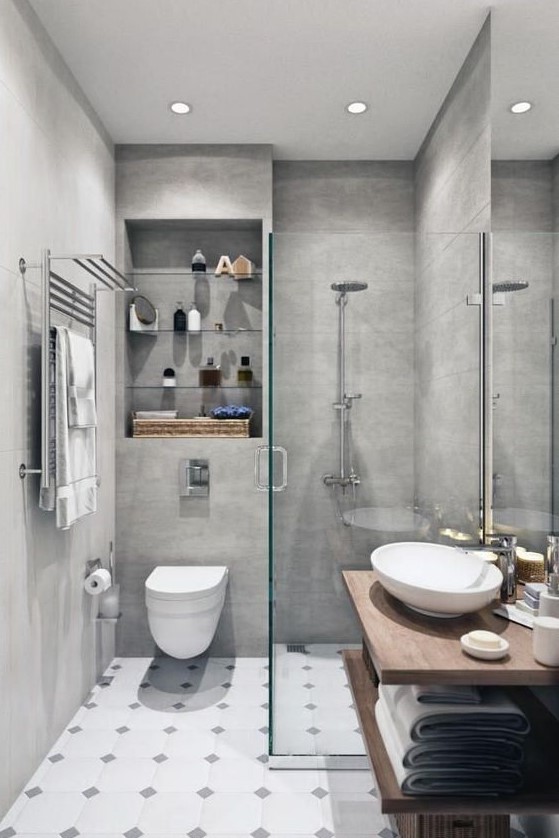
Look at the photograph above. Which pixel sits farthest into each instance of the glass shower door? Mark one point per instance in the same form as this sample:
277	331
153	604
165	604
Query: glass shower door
333	396
375	371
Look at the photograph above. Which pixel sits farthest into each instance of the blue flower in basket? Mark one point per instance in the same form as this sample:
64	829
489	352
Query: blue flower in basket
231	411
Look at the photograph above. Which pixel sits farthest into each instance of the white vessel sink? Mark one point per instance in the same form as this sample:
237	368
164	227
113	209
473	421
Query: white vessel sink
436	580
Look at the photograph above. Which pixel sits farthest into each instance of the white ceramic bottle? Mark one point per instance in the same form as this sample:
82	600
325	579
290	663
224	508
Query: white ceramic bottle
194	319
549	600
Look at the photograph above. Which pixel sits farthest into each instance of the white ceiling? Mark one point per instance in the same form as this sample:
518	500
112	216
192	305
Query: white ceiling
281	71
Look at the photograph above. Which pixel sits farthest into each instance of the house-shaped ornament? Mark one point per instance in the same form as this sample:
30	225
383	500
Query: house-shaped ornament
243	268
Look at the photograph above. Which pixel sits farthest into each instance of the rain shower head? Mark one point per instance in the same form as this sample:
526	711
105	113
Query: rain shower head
510	286
348	287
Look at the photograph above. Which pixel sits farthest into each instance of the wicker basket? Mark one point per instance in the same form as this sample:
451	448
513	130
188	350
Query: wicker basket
529	571
453	826
201	426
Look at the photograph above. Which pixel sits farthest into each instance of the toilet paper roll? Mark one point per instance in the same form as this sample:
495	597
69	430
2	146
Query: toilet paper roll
97	582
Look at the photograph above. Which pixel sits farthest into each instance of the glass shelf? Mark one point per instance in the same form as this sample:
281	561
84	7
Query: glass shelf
200	331
180	272
193	387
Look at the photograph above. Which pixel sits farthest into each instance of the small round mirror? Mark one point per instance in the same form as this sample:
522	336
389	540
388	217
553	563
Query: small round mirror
145	312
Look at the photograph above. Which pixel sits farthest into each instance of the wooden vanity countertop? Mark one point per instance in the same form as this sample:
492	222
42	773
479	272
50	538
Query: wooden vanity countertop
409	648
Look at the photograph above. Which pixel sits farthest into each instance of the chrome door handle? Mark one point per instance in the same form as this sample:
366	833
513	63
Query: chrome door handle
265	487
283	484
262	487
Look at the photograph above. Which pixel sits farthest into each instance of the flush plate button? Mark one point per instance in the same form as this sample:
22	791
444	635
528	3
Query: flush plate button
194	478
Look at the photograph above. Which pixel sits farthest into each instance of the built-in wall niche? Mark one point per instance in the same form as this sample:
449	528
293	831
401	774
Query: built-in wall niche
159	266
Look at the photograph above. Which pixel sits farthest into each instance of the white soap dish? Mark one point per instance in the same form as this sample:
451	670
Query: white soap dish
482	653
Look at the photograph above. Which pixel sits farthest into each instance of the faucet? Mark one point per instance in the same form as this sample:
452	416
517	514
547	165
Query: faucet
505	547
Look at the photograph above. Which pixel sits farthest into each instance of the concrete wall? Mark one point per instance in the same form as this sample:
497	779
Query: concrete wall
57	175
452	204
338	221
523	248
154	526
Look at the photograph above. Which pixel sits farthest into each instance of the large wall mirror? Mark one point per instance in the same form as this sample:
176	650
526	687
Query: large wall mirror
525	271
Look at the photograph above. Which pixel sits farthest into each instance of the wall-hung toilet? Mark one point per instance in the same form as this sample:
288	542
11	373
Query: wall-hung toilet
184	605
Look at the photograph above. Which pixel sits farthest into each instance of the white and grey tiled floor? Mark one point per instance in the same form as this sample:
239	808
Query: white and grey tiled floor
167	747
313	711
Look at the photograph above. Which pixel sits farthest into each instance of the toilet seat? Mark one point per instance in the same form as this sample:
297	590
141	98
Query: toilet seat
179	583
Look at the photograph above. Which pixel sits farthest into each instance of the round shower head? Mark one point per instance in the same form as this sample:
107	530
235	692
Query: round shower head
510	286
348	287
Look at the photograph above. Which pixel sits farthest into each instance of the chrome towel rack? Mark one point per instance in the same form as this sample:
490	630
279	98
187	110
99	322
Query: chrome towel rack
60	295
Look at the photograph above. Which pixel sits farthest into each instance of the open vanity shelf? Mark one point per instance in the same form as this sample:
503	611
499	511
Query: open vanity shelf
408	648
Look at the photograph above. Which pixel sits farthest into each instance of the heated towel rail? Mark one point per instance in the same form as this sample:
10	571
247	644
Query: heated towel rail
59	294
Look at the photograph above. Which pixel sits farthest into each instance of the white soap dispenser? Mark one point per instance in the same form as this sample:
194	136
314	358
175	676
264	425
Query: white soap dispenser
549	600
194	319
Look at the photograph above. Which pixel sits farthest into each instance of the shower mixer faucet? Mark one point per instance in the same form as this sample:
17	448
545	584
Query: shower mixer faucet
352	479
347	402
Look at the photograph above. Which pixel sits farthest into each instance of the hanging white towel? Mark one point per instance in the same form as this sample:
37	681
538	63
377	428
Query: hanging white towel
76	479
81	381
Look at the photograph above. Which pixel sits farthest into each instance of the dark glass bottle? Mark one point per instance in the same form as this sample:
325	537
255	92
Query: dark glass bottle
179	320
210	375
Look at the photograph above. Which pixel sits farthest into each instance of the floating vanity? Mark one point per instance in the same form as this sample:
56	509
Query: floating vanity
404	647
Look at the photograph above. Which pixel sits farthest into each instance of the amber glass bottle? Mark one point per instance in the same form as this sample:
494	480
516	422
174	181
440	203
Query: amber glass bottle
210	375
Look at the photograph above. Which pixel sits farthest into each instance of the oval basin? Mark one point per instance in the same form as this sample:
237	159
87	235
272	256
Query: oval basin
436	580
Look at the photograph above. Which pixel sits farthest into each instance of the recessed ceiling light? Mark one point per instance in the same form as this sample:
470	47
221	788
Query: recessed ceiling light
520	107
356	107
180	107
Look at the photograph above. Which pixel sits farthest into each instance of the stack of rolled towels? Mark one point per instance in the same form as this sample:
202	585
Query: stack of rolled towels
454	740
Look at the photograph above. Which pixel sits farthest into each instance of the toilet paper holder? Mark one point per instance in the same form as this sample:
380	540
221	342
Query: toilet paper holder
91	565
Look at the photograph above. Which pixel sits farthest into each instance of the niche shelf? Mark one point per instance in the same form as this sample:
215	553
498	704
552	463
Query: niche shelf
160	254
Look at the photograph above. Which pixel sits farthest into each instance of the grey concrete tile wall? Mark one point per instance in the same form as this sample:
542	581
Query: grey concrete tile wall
338	221
522	195
175	183
57	173
452	199
343	196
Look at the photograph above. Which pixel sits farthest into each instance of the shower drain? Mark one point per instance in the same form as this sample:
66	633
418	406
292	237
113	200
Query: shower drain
297	647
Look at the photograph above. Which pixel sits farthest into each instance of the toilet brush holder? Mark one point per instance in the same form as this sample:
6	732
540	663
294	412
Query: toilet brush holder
109	603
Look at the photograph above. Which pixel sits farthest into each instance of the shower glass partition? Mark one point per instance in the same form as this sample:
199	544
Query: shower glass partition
410	349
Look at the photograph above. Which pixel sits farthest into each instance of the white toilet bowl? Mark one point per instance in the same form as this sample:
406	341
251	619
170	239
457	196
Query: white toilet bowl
184	605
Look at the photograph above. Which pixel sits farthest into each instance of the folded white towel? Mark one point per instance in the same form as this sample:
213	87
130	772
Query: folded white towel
447	694
81	381
481	779
156	414
497	715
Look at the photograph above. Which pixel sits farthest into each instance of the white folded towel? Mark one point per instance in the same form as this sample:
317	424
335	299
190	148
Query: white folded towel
483	778
497	715
81	381
155	414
